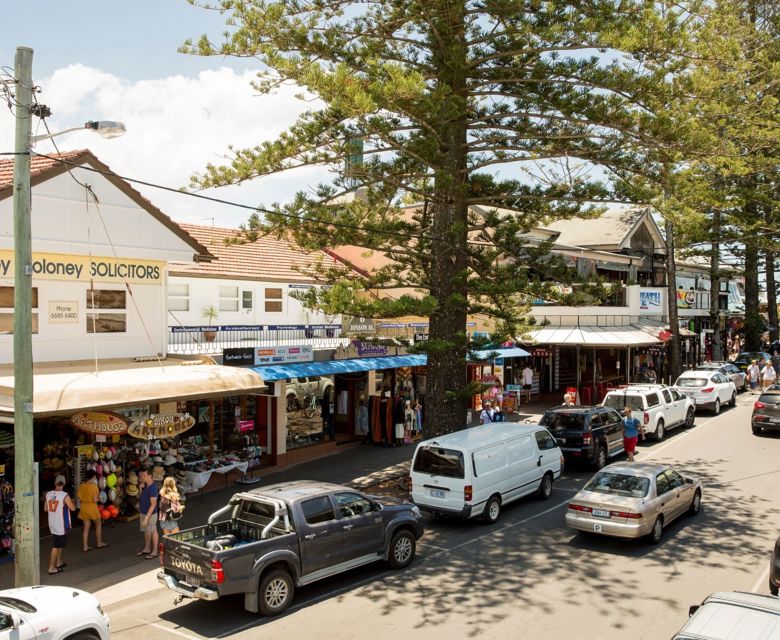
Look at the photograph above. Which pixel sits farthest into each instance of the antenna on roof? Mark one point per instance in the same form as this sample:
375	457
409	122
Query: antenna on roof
212	220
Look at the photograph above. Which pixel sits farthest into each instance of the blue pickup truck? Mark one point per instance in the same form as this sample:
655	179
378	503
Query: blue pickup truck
267	541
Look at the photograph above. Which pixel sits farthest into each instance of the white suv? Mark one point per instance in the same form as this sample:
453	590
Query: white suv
656	406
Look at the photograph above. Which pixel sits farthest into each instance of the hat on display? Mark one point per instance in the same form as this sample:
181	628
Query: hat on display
109	454
102	454
111	480
112	467
99	469
169	460
95	455
106	469
103	497
173	451
180	459
158	474
113	510
157	459
102	482
105	514
132	477
111	495
164	445
120	481
131	490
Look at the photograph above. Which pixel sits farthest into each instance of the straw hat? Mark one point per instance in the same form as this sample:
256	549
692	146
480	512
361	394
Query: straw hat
158	474
131	490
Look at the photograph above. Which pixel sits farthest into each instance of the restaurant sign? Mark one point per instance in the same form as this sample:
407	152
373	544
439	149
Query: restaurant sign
161	425
99	423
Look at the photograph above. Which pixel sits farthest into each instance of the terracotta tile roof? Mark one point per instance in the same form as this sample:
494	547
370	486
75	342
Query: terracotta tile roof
269	258
38	165
43	168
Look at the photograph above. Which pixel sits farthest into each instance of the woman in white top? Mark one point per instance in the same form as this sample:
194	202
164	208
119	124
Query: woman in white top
768	376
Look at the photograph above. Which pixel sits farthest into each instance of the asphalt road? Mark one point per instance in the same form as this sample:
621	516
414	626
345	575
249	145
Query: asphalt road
529	576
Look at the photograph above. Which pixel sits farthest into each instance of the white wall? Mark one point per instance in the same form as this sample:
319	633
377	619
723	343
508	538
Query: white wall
570	315
204	292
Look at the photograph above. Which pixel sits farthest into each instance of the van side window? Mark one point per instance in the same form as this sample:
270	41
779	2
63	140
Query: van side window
545	441
489	459
318	510
519	449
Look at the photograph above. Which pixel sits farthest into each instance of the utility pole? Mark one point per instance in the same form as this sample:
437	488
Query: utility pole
26	533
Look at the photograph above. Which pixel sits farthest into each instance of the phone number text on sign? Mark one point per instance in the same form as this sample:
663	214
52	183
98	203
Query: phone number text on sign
63	312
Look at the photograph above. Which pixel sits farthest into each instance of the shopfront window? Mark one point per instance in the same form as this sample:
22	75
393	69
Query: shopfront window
7	310
273	300
107	310
228	298
178	297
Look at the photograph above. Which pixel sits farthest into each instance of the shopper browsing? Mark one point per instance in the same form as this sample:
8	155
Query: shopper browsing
89	513
170	507
58	505
148	503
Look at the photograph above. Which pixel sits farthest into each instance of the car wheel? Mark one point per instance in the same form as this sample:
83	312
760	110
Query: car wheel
690	417
695	503
658	529
773	588
276	592
545	487
601	458
660	431
733	402
492	510
716	406
402	548
84	636
757	431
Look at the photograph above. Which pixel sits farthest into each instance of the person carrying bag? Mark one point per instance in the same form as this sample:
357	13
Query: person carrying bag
171	509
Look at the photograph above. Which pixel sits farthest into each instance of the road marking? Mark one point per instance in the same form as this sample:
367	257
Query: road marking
697	428
175	632
762	581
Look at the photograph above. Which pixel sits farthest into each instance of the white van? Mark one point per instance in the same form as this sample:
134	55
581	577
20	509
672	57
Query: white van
476	471
733	616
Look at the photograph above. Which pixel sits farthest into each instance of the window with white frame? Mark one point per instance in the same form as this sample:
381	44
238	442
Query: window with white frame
246	300
228	298
178	297
273	300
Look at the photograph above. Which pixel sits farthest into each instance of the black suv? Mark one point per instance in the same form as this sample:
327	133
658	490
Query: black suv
590	434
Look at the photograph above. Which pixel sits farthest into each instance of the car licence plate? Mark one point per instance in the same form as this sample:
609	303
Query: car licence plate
437	493
601	513
193	582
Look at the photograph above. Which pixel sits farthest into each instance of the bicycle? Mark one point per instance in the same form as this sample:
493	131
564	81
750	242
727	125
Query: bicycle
311	405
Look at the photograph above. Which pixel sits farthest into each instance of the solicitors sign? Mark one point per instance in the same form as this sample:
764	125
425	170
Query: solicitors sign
75	268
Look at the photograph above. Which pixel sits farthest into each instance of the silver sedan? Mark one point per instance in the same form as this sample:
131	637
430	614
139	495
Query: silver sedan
730	370
634	499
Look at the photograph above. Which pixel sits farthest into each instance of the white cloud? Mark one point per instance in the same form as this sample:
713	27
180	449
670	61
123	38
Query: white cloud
175	126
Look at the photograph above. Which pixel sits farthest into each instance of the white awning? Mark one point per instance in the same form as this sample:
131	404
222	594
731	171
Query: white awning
594	336
79	390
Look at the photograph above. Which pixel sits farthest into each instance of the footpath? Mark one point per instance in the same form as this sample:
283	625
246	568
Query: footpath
117	573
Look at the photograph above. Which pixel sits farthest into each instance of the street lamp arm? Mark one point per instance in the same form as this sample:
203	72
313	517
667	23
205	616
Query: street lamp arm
106	129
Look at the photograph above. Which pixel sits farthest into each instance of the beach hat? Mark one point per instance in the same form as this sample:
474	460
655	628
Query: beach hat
131	490
181	475
132	477
111	495
96	455
112	467
157	459
111	480
180	459
158	474
169	460
99	469
103	497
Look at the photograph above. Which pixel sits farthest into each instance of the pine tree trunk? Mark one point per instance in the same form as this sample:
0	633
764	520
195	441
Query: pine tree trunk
715	288
673	346
771	296
447	342
754	324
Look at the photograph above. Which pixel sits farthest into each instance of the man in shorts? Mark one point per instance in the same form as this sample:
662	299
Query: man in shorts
632	429
148	503
753	374
58	505
528	381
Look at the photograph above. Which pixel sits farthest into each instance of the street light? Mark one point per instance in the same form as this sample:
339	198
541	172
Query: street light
26	533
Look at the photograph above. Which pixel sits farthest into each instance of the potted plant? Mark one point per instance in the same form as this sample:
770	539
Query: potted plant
210	314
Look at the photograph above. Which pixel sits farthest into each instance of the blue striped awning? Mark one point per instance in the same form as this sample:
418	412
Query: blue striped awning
273	372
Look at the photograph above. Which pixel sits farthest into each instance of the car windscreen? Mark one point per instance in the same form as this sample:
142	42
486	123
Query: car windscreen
691	383
619	484
557	420
438	461
621	400
769	398
19	605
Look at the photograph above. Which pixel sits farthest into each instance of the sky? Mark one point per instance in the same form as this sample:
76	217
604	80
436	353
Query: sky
118	60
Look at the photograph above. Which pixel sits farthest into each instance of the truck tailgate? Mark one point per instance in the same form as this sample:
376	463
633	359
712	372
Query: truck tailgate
187	563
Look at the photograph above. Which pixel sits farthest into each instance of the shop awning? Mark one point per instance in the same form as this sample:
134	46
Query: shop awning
271	373
78	390
504	352
593	336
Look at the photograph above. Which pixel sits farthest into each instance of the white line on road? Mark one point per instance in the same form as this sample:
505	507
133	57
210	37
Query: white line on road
763	581
175	632
690	432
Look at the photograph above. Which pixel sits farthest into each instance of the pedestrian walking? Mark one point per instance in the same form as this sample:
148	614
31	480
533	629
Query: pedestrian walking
148	502
58	505
631	432
753	374
88	513
498	411
768	375
171	508
488	415
528	381
568	400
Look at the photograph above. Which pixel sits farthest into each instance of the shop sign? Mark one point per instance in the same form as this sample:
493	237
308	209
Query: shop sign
368	350
246	425
73	268
540	353
63	312
650	300
161	425
102	423
361	326
279	355
238	357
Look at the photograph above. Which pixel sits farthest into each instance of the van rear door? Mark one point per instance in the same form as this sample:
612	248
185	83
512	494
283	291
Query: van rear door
438	477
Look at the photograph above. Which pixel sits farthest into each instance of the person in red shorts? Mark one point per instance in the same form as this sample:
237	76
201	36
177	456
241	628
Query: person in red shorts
631	432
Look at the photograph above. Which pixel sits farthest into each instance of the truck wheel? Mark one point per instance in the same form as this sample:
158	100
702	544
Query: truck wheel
276	592
402	548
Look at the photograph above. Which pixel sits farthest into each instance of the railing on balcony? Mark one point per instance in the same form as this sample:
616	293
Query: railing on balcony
204	339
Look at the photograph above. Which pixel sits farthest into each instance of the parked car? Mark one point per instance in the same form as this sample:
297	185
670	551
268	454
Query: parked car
731	371
656	406
589	434
307	393
766	411
733	616
478	471
744	359
54	613
267	541
708	389
774	569
634	499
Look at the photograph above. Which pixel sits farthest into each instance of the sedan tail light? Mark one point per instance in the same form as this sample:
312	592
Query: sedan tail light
758	405
579	507
708	390
468	493
625	514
